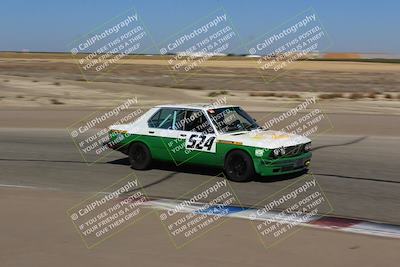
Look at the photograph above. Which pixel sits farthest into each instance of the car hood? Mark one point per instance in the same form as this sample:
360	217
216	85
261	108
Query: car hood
264	139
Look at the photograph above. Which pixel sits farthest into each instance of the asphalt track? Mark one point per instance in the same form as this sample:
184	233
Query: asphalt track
359	174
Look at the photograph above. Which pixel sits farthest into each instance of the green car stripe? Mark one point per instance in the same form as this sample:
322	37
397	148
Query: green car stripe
174	150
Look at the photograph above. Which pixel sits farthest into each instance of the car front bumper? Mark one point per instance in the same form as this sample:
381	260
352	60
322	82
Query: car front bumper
268	167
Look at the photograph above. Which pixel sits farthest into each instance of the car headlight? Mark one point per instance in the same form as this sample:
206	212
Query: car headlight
279	152
259	152
307	147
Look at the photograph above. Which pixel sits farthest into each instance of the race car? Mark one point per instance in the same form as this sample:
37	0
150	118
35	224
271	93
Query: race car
223	136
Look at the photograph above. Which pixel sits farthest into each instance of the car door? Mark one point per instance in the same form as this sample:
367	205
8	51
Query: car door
199	138
159	131
174	137
167	126
184	135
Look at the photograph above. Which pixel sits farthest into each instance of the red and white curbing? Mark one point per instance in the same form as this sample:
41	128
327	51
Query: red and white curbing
358	226
321	222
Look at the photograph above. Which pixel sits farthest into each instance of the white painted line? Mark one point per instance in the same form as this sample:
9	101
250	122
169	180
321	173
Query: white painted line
26	187
18	186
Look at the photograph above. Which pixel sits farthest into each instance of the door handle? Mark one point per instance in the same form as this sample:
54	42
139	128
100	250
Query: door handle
183	135
151	132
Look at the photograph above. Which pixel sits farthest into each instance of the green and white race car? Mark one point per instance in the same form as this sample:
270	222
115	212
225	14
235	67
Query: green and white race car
219	136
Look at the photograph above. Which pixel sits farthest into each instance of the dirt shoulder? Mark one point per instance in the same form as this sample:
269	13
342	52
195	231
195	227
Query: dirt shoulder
49	91
220	62
236	75
27	93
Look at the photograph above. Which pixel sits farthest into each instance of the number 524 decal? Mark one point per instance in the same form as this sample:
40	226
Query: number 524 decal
201	142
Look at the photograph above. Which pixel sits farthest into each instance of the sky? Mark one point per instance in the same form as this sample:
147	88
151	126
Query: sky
51	25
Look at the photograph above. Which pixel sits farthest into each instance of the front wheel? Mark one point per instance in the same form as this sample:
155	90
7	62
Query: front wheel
239	166
139	156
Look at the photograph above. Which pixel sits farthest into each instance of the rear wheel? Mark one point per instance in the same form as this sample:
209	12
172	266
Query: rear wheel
139	156
239	166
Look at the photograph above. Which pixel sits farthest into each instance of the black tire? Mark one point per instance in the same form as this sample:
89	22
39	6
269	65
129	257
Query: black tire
239	166
139	156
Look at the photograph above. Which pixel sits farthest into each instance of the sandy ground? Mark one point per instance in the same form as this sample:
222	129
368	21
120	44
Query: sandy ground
52	79
220	62
55	81
48	90
36	231
28	93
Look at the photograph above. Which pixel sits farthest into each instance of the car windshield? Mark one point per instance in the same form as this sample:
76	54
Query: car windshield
231	119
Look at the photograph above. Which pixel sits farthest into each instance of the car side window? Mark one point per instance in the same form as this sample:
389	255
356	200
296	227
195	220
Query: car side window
179	122
162	119
196	121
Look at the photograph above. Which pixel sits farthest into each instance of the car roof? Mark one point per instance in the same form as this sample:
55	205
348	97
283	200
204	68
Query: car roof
202	106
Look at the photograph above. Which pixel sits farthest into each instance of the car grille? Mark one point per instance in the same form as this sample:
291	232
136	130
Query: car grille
294	150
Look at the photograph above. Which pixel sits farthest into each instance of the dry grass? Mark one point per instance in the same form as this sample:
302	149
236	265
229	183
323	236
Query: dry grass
271	94
182	86
388	96
56	102
355	96
265	94
330	96
214	94
291	95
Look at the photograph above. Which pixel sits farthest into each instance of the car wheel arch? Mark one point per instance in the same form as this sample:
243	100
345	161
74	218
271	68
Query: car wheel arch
140	156
238	149
137	141
230	171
